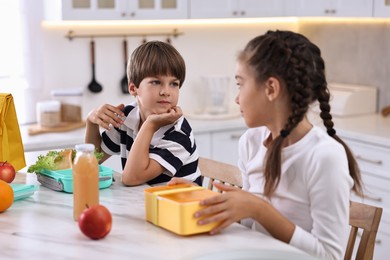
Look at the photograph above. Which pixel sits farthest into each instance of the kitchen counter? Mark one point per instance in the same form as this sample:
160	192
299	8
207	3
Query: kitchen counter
373	128
41	226
69	139
49	141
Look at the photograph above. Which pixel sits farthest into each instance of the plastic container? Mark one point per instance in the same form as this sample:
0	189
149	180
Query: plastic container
173	208
62	180
71	96
71	103
215	94
22	191
85	172
49	113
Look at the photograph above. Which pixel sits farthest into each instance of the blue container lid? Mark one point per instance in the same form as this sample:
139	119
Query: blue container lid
22	191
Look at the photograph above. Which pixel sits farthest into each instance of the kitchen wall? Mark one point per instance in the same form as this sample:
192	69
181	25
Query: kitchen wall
208	49
356	51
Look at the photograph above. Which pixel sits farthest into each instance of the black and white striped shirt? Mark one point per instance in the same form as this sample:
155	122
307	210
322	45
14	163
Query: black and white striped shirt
172	146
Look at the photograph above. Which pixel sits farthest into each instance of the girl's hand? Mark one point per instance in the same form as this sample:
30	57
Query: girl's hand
176	180
106	115
227	208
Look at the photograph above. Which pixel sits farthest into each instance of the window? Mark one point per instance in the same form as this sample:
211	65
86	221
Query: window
11	49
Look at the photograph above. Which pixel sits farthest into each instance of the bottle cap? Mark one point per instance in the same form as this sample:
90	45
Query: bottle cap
85	147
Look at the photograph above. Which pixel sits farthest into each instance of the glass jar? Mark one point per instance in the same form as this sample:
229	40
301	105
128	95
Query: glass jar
85	171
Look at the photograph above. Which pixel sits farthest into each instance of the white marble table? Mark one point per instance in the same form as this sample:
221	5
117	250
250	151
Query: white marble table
41	226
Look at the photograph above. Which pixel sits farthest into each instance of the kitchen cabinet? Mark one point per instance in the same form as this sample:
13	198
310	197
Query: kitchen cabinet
368	137
224	145
124	9
235	8
329	8
221	145
218	139
374	164
381	8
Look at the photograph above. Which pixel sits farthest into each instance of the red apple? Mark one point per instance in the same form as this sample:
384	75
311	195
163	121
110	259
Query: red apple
7	172
95	222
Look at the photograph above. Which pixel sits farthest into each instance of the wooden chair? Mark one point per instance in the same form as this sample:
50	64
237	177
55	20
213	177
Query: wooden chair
218	171
367	218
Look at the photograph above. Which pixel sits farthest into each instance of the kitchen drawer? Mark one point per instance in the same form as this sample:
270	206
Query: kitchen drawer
382	240
225	146
371	159
381	250
203	144
376	191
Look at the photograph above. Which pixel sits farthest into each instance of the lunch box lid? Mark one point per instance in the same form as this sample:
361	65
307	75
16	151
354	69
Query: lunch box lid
22	191
66	174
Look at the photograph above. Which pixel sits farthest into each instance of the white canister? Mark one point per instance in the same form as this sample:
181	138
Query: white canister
49	113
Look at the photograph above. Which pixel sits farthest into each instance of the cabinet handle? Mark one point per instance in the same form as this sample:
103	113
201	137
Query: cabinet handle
361	158
377	199
235	136
123	14
377	241
243	13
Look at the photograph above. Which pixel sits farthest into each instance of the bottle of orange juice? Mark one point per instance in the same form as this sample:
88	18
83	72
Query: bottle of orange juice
85	172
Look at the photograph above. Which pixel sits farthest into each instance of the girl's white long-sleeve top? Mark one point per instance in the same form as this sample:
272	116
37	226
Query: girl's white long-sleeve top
313	192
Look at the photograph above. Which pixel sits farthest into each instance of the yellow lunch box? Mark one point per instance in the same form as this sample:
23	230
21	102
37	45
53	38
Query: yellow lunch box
173	208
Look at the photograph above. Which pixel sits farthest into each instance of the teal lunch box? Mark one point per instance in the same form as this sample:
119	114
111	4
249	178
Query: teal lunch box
62	180
22	191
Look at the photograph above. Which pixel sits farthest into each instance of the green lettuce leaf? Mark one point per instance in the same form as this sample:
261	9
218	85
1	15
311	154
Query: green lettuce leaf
52	159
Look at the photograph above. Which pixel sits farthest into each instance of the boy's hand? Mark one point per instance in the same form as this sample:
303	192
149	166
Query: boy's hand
159	120
106	115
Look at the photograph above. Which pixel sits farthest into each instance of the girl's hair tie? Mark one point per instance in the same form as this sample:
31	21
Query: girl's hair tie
331	132
284	133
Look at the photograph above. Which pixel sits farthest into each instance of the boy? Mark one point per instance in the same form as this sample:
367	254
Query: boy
153	138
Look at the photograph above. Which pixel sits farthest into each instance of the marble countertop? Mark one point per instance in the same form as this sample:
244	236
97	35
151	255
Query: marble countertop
69	139
373	128
42	226
370	128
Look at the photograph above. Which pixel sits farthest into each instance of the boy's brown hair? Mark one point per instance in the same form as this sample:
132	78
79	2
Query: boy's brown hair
155	58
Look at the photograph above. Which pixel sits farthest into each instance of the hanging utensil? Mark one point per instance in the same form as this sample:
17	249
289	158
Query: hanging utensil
124	82
94	86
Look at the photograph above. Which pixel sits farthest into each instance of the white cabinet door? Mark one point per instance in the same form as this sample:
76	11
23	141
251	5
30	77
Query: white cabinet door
124	9
93	9
261	8
336	8
353	8
157	9
381	8
203	144
235	8
213	9
225	146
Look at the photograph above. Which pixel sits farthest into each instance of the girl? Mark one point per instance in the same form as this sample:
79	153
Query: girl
297	178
